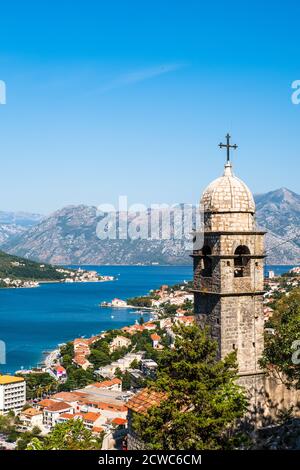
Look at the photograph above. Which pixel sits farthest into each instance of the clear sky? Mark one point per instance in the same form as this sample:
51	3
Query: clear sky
109	98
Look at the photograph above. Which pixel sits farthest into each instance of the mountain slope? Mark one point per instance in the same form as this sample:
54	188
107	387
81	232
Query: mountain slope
69	237
279	213
13	224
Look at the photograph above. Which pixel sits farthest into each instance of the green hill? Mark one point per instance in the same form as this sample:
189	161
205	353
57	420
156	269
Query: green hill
14	267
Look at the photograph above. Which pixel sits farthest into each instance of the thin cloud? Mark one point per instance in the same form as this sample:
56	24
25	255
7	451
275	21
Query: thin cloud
139	76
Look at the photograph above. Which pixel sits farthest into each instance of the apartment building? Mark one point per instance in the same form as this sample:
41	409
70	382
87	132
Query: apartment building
12	394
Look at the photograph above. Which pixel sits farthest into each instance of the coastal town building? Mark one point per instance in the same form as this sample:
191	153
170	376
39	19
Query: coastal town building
184	319
82	351
113	384
58	372
137	328
122	364
30	418
12	394
148	368
155	341
52	412
119	342
118	303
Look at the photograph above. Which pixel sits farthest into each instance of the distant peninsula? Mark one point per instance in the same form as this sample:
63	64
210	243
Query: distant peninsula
20	272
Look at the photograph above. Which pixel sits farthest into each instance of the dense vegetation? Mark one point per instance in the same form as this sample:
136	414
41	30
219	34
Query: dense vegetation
140	301
39	384
9	429
20	268
203	400
282	349
72	435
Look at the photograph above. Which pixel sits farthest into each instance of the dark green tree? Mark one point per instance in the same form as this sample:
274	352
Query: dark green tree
203	402
72	435
282	350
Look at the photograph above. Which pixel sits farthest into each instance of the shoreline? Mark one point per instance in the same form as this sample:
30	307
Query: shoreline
57	282
55	346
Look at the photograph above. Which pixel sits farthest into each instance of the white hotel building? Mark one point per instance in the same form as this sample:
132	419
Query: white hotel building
12	394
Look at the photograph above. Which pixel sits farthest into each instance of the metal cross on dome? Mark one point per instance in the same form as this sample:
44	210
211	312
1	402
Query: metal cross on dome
228	146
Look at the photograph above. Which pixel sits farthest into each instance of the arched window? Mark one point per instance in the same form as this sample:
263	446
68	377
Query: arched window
242	261
207	262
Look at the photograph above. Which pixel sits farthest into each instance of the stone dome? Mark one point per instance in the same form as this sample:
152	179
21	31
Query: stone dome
227	194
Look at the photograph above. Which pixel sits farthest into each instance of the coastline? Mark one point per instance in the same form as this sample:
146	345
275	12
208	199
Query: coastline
60	305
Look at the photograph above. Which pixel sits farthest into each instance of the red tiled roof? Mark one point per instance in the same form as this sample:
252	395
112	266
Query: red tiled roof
31	412
119	421
60	369
187	319
97	429
149	325
91	416
67	416
46	402
155	337
66	396
107	383
58	406
144	400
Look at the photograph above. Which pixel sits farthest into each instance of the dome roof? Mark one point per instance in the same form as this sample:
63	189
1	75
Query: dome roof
228	194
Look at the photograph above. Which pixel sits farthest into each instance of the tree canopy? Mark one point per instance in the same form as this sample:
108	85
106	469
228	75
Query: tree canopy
71	435
280	356
203	401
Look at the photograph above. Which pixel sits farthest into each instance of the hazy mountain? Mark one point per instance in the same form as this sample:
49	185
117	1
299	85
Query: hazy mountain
16	223
279	213
69	237
23	219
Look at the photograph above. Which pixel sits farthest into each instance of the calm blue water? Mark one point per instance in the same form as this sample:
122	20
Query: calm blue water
36	320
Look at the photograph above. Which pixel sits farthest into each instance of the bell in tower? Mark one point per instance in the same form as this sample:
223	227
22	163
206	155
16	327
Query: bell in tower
229	270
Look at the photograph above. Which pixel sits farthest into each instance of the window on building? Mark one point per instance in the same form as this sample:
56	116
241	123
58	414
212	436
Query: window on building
242	261
206	262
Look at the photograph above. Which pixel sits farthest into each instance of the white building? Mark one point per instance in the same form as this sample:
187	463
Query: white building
119	303
123	364
31	418
12	394
52	412
119	342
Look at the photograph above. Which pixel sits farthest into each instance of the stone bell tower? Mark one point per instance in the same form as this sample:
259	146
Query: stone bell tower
229	270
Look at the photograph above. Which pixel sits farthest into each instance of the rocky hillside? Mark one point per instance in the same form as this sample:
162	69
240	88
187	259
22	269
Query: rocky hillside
279	213
69	237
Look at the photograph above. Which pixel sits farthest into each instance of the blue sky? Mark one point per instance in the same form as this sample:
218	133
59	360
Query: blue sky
132	98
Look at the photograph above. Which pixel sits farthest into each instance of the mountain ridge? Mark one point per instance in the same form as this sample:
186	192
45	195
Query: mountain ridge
68	236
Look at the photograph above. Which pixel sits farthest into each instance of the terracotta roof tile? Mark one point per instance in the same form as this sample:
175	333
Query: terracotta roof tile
45	402
97	429
107	383
58	406
31	412
119	421
155	337
144	400
91	416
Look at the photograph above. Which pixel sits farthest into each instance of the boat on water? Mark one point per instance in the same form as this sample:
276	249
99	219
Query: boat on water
112	316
